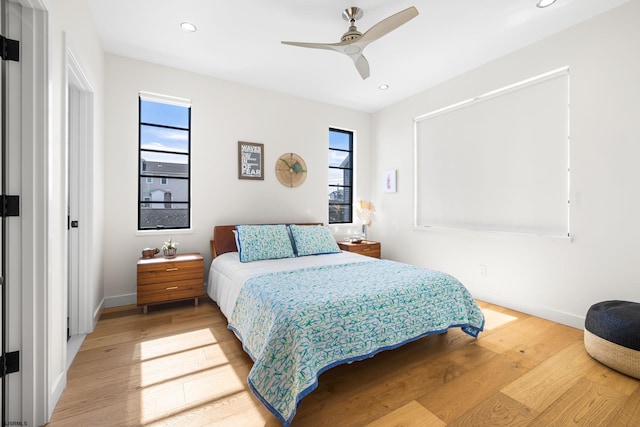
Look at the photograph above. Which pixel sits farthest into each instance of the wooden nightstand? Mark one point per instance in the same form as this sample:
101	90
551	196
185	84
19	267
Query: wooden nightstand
162	280
366	247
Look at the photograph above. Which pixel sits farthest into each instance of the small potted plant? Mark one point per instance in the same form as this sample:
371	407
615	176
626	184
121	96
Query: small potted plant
170	248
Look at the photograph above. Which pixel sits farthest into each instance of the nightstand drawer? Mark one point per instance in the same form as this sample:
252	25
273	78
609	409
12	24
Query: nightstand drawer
366	247
170	291
169	274
168	266
171	284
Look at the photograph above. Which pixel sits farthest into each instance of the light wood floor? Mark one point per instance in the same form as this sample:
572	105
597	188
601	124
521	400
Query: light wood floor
179	365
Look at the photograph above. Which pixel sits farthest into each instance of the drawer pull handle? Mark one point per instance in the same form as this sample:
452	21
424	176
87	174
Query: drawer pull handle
366	249
172	288
171	269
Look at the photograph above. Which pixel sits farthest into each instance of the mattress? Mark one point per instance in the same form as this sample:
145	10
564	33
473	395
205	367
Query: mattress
227	274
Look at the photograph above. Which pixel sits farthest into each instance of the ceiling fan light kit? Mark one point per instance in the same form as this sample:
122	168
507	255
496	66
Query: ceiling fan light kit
353	42
188	27
545	3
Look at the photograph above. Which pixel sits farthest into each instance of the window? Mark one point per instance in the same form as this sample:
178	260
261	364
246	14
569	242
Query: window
164	153
498	161
340	176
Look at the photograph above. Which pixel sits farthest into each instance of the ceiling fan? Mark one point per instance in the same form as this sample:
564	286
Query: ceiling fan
353	41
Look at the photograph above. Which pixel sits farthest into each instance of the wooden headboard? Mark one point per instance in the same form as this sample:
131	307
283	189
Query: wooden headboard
224	240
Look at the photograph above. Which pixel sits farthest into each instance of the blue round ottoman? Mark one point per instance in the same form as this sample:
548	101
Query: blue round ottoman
612	335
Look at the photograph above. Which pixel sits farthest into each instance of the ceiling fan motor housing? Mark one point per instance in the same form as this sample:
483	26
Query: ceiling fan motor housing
351	14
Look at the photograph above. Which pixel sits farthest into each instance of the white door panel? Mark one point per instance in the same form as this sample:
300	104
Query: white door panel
10	183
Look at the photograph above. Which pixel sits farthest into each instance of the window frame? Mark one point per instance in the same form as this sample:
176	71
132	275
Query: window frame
146	202
348	204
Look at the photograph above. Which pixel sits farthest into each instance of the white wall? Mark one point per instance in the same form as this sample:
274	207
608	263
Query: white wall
71	20
223	113
553	278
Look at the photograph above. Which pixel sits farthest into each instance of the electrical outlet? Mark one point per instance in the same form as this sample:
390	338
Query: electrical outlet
483	270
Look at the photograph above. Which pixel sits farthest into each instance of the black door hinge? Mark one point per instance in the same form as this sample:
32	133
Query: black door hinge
10	363
9	49
9	206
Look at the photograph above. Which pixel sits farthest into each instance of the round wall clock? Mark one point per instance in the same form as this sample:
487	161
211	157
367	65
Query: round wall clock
291	170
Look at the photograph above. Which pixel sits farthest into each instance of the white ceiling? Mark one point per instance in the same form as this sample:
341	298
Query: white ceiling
239	41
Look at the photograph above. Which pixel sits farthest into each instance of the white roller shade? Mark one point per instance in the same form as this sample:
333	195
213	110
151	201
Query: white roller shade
497	162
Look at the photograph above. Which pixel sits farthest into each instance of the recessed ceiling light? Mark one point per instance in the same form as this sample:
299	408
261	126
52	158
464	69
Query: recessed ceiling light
383	87
188	26
545	3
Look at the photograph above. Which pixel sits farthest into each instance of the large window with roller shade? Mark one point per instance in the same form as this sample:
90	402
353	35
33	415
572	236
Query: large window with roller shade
498	161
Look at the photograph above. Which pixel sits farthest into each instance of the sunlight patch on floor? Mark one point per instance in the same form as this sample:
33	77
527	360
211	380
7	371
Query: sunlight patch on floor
176	343
494	319
237	410
169	386
173	366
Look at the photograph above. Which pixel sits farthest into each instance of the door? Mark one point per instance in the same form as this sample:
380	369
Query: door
73	272
9	212
3	321
79	200
31	385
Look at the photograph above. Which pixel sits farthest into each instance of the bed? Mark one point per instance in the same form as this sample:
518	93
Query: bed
301	310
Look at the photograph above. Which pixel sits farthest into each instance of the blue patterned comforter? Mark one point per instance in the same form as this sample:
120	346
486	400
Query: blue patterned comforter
297	324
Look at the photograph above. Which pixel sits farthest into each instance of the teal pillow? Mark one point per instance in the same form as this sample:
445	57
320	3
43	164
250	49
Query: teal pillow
313	240
256	242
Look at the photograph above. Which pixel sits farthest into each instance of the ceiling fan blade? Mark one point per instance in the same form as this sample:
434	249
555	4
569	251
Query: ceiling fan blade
388	24
327	46
362	65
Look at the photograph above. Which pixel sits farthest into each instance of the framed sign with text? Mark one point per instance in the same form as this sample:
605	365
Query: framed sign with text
250	160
